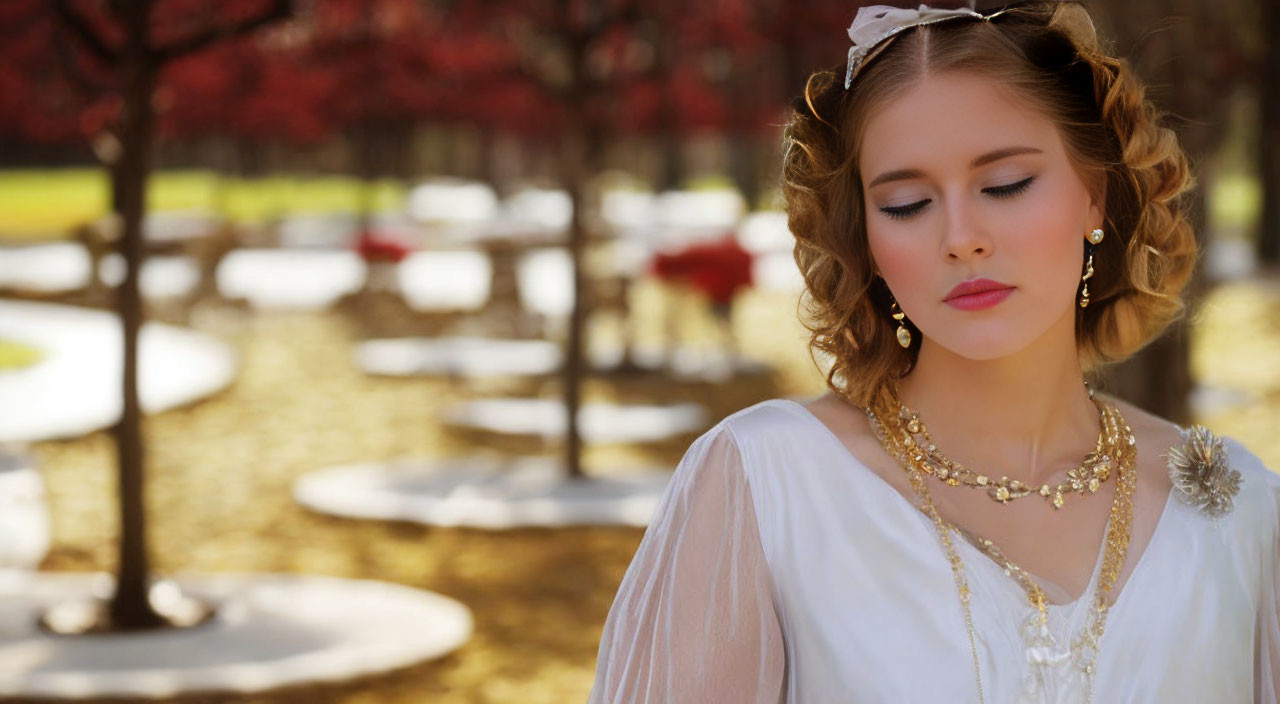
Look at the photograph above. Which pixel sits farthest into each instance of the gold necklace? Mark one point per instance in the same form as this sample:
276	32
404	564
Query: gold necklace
1117	541
1085	478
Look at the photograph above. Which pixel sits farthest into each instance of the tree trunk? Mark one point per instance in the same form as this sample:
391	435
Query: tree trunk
365	142
744	165
1171	59
579	151
672	175
130	608
1269	137
574	161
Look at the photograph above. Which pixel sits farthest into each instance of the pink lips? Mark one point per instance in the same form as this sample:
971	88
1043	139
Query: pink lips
978	294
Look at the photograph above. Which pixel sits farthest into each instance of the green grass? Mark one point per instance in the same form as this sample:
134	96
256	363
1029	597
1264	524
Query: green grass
14	355
708	182
41	204
1236	201
47	204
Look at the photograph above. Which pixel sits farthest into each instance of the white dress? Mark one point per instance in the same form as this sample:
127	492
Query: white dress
778	568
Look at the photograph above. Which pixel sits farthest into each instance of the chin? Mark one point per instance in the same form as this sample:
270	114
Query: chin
984	345
1002	335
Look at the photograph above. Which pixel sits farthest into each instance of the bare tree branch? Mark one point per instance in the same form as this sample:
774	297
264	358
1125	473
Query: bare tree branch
279	10
87	86
95	43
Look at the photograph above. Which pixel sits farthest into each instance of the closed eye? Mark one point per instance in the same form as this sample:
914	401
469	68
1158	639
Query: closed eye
1011	189
1006	191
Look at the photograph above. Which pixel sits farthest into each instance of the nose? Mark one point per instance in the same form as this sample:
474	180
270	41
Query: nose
964	237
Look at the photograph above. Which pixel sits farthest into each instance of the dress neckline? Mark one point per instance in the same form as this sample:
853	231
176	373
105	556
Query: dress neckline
973	550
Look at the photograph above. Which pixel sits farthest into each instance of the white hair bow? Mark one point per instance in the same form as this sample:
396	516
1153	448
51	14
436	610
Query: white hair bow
875	23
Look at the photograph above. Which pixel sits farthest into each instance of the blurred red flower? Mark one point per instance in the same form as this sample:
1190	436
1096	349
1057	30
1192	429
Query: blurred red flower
374	247
718	269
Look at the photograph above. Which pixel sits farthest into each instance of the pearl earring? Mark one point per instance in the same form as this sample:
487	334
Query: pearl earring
1094	238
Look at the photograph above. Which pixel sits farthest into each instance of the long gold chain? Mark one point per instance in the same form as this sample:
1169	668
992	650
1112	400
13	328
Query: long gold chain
1124	451
1086	478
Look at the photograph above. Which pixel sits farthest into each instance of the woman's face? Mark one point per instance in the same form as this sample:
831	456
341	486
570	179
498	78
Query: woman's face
962	182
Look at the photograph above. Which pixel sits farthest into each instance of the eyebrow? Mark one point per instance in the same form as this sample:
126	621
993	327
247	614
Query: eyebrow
902	174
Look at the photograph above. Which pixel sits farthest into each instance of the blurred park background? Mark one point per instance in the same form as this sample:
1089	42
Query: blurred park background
346	345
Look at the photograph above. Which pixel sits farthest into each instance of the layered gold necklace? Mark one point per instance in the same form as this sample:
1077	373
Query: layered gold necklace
893	425
1085	478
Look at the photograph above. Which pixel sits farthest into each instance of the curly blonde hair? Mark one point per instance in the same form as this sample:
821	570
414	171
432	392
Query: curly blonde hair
1049	54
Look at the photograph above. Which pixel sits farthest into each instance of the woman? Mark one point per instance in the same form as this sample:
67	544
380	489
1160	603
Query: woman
986	209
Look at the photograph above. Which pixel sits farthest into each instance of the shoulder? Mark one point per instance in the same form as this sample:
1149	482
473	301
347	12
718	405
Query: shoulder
1259	487
764	422
1166	434
758	431
1257	480
743	428
718	468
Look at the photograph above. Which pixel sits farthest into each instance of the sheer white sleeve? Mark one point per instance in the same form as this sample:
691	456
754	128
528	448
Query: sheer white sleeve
1267	647
1267	644
693	620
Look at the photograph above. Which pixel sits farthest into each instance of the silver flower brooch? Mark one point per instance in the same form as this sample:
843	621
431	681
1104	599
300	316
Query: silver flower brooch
1201	474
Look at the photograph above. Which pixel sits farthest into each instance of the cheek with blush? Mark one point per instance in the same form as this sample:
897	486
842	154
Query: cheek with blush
904	264
1050	256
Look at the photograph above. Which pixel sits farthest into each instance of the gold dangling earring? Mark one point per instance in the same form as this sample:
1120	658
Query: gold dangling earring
904	335
1094	238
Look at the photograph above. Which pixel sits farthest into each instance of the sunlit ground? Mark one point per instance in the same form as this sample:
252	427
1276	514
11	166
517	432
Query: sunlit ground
1236	346
220	474
46	204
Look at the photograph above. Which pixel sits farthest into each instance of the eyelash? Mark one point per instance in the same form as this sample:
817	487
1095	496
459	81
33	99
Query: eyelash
1007	191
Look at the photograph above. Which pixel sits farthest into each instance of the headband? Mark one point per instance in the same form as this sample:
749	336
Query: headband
876	23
